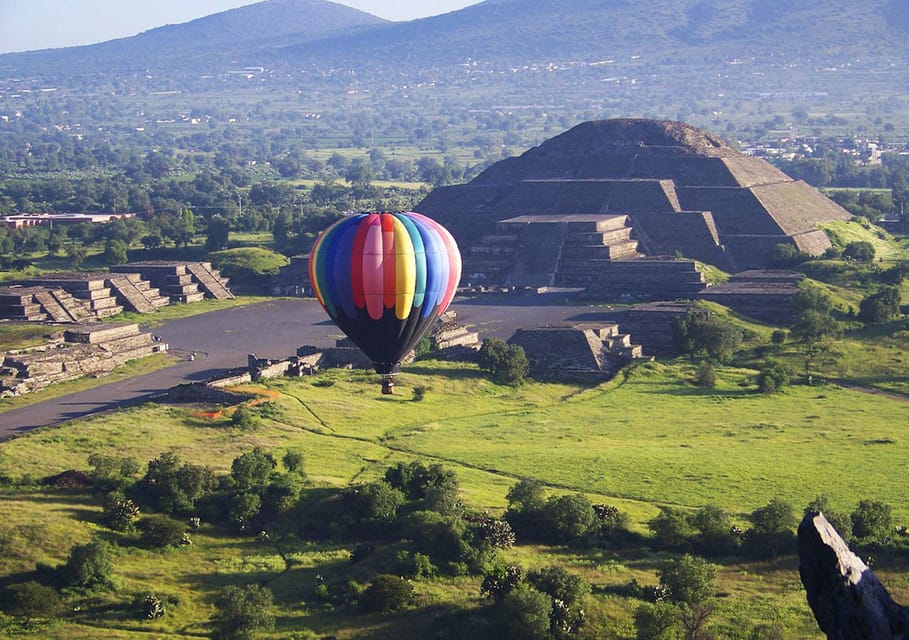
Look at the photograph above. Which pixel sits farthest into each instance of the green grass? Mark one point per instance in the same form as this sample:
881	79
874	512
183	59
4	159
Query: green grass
651	439
19	335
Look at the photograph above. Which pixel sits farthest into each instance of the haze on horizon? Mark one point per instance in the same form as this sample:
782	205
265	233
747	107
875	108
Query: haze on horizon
27	26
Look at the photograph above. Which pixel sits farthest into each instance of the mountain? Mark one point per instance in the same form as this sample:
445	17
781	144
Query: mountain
210	40
510	32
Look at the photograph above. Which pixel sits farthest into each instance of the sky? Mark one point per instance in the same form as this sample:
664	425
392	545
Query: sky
27	25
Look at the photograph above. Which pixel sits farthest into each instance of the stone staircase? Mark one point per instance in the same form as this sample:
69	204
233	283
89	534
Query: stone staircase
538	251
136	294
91	289
210	280
181	281
41	304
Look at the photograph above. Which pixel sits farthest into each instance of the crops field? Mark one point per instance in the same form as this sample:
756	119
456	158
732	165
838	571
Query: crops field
646	439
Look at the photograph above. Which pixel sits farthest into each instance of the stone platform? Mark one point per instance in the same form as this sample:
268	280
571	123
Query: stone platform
84	350
181	281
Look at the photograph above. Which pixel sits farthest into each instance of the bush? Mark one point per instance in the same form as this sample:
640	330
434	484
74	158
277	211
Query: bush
242	612
387	593
706	376
698	333
159	531
31	600
244	418
774	376
860	251
657	621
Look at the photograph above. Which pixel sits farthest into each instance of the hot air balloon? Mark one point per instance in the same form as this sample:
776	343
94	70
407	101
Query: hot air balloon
384	279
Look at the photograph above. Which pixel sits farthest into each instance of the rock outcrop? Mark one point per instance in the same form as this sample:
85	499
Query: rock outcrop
848	601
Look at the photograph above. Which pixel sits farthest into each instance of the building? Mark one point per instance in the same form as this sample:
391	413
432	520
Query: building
34	219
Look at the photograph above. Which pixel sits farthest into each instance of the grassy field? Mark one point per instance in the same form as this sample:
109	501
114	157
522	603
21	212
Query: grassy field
638	442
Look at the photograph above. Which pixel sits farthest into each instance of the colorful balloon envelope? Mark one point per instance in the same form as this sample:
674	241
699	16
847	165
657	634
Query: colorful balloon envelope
384	279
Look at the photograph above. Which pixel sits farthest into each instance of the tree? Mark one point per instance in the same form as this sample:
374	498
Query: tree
872	521
771	533
32	600
242	612
377	501
881	306
524	614
251	471
506	362
75	256
813	325
115	252
89	565
671	528
217	233
569	517
698	333
688	580
172	487
860	251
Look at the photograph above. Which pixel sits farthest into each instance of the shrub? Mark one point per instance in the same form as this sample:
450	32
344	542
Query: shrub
706	376
697	333
159	531
774	376
387	593
244	418
658	621
253	469
31	600
860	251
242	612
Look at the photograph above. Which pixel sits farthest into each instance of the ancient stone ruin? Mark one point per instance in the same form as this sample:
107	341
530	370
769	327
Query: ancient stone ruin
616	190
181	281
142	287
576	352
847	599
81	350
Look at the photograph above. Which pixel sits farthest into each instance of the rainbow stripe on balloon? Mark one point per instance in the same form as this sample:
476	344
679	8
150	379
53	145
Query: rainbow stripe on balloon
384	261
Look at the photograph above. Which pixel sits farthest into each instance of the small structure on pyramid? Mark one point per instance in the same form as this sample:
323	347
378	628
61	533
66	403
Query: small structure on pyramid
596	204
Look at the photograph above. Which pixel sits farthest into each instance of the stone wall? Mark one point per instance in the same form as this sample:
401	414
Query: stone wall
84	350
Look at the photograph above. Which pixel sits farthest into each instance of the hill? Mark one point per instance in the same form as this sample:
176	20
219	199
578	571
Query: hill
210	40
509	32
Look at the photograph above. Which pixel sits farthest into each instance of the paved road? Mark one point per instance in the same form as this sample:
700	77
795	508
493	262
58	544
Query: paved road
222	340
